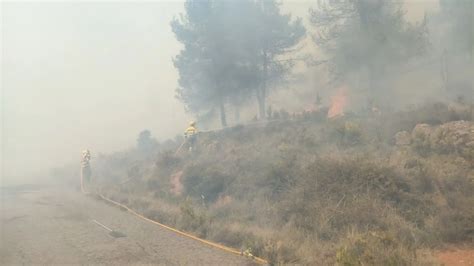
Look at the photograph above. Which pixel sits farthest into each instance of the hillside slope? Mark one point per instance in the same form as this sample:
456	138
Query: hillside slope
359	189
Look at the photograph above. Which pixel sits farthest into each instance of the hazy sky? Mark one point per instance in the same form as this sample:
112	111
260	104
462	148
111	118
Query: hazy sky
79	75
91	75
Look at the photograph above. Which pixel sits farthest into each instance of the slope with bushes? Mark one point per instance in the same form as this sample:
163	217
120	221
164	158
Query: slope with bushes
359	189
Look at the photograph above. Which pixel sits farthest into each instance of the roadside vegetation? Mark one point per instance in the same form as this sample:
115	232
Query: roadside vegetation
304	189
367	173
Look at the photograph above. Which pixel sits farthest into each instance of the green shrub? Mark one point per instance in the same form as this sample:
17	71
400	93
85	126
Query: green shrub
167	162
279	178
345	132
204	182
192	220
373	248
456	225
455	221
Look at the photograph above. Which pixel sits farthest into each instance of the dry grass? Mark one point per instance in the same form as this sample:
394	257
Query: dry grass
306	190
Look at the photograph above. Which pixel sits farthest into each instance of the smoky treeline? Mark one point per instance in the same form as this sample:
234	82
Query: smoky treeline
356	177
236	53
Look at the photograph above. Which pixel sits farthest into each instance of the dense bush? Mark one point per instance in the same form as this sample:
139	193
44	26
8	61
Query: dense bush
202	181
373	248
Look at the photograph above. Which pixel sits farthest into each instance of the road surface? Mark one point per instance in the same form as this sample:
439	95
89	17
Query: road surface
54	226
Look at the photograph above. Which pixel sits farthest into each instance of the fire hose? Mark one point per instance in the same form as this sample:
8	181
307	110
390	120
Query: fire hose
246	253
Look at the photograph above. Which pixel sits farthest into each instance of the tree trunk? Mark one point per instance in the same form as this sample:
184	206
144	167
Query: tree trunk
261	93
445	70
237	113
261	103
365	31
223	117
471	33
371	76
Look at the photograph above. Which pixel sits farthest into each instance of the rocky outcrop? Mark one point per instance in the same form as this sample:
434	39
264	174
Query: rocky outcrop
455	136
452	137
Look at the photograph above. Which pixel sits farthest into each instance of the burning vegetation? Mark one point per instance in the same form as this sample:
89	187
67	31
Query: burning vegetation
375	173
338	103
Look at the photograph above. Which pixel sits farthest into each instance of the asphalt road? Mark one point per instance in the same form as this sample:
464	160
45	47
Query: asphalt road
54	225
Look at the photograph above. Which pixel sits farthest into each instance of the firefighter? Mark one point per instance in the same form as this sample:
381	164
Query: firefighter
86	156
190	135
86	169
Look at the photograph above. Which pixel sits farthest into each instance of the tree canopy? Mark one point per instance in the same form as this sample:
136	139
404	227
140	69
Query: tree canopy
145	142
458	15
366	36
229	52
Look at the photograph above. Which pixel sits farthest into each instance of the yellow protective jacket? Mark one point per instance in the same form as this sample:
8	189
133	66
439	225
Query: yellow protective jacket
190	131
86	156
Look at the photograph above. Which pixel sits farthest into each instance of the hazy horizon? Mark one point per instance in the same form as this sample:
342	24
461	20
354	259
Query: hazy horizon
91	75
72	83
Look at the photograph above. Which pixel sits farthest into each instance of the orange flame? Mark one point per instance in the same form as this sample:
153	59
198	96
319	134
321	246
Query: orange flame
338	103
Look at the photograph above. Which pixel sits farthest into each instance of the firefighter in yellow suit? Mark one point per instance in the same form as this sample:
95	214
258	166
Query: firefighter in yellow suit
86	169
190	135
